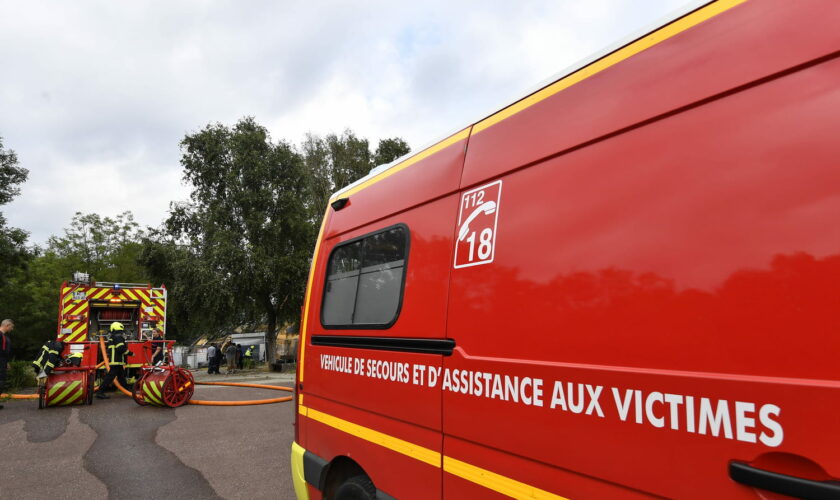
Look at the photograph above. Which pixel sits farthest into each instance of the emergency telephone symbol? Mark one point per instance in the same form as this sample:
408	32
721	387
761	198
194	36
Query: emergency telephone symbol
477	222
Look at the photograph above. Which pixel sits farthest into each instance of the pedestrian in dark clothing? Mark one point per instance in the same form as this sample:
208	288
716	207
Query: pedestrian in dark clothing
5	351
230	356
240	357
158	347
213	359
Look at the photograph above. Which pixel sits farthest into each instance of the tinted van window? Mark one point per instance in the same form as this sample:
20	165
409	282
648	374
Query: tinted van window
365	281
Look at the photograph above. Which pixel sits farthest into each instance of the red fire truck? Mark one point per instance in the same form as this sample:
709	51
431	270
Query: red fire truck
624	285
85	313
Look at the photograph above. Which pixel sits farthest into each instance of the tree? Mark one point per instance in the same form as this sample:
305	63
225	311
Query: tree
336	161
13	252
197	297
106	248
389	150
245	225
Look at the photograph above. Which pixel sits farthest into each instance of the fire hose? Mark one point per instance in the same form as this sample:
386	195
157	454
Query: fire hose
189	401
212	403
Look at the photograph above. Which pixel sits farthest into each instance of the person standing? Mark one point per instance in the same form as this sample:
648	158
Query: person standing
240	358
230	356
5	351
212	360
116	351
249	358
157	347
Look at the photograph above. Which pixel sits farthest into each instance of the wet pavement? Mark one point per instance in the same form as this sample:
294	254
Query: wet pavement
119	450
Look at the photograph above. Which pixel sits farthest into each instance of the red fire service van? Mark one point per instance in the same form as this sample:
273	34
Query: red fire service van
624	285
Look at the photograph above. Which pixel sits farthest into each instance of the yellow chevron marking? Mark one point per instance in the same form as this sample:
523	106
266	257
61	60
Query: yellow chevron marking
81	329
74	337
153	394
73	398
55	387
100	292
157	387
159	311
66	391
130	294
81	309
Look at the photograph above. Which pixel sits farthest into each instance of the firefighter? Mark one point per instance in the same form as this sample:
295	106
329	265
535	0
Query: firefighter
116	351
49	358
249	363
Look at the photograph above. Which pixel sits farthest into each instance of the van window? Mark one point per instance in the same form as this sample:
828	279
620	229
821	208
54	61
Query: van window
365	278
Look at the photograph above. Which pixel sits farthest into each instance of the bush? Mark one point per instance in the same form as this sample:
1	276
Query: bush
20	375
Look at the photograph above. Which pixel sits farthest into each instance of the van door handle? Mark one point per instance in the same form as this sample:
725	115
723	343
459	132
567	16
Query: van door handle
783	483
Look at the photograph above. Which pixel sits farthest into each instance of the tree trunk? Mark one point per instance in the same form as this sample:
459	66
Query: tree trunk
271	336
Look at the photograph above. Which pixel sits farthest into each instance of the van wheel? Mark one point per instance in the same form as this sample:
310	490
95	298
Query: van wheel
356	488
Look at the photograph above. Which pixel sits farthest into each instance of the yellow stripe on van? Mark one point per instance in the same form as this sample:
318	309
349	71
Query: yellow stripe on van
304	325
477	475
412	450
644	43
452	139
612	59
495	482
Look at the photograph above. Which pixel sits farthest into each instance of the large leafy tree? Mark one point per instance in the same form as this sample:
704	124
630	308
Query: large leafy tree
13	252
245	226
107	248
335	161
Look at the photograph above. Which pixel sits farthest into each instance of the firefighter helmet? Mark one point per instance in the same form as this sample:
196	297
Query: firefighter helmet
116	326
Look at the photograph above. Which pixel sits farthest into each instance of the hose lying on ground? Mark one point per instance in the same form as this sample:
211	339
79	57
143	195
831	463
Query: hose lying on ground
19	396
192	401
244	403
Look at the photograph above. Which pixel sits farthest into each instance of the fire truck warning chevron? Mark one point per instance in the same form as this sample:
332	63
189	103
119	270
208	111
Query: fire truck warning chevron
623	285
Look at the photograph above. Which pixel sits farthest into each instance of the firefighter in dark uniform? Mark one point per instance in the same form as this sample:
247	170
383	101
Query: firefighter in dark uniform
116	351
49	358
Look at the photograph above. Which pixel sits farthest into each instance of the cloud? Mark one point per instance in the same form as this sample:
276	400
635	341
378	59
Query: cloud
96	96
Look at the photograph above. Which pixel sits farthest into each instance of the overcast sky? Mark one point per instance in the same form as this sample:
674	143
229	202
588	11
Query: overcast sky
95	96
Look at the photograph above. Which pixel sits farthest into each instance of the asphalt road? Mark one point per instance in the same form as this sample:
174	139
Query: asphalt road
119	450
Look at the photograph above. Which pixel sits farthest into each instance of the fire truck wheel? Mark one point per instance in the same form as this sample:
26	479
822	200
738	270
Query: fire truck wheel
357	487
42	395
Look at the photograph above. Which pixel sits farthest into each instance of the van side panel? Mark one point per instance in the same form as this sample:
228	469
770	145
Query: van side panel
741	45
674	290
